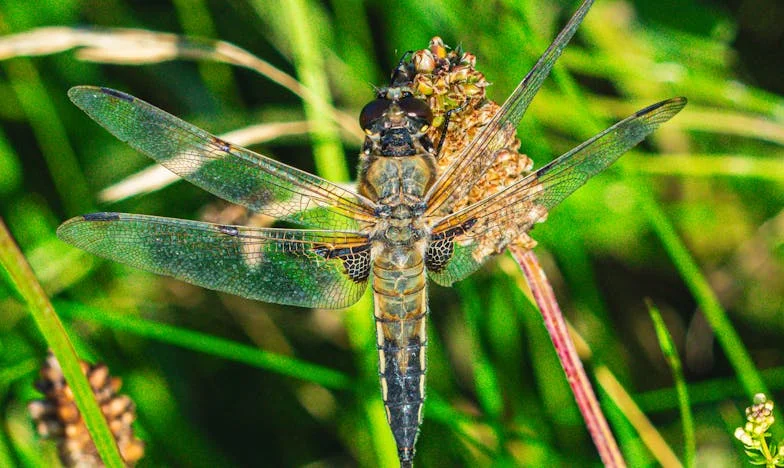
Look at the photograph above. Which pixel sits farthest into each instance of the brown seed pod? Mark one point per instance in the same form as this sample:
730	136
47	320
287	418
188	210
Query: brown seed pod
448	80
57	417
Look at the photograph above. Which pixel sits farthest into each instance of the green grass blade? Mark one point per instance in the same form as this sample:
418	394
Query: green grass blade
740	166
358	320
710	391
207	344
49	131
6	456
725	332
52	329
195	19
310	64
671	354
485	379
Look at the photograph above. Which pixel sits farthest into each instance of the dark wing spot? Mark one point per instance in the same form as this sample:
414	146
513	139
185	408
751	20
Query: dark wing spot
222	144
442	246
455	231
118	94
356	260
229	230
438	254
101	217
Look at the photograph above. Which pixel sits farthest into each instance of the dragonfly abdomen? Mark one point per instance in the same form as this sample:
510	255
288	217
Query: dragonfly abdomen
401	318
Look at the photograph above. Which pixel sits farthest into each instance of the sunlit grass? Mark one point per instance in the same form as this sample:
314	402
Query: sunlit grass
498	393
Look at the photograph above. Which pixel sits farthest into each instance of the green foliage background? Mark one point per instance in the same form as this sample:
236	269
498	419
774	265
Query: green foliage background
310	396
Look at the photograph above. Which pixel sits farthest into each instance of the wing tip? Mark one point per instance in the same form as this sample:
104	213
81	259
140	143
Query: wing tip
78	94
66	230
677	103
671	106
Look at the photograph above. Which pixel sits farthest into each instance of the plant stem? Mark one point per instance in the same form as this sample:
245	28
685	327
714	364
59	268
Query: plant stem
670	352
52	329
722	326
575	373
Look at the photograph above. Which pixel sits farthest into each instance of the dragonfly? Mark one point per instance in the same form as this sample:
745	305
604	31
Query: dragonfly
396	230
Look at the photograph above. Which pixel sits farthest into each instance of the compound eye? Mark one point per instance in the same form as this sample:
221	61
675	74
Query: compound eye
416	108
373	111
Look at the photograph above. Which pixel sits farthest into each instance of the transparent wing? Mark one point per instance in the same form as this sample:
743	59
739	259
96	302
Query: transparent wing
479	155
231	172
464	240
286	266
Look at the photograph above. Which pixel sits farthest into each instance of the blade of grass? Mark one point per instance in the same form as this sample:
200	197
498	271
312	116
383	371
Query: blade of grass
671	354
634	449
128	46
12	373
358	320
168	420
49	133
464	428
648	433
725	333
742	166
711	391
207	344
6	457
53	332
570	361
485	380
195	19
309	62
10	168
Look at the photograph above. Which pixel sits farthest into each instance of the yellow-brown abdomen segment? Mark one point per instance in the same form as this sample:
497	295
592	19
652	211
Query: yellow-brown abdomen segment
401	314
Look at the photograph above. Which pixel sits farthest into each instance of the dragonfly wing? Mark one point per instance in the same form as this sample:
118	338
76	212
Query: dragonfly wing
304	268
231	172
461	242
458	179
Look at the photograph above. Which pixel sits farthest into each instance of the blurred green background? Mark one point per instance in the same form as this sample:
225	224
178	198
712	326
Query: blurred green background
711	180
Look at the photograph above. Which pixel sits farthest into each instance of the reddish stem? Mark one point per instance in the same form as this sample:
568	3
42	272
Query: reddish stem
567	354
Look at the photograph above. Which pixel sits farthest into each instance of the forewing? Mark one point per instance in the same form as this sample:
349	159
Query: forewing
286	266
479	155
231	172
487	227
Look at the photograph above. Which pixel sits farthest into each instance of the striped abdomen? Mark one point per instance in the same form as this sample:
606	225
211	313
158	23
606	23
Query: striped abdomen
400	295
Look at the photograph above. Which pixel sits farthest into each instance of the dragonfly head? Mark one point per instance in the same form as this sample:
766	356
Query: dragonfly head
395	123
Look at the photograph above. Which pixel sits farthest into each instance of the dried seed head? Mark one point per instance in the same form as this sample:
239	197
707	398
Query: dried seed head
57	417
424	61
437	47
454	84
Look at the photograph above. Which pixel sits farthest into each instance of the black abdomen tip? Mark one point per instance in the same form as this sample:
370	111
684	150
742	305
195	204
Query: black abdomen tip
406	456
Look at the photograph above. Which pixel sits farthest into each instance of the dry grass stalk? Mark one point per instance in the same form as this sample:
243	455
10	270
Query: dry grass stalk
141	47
156	177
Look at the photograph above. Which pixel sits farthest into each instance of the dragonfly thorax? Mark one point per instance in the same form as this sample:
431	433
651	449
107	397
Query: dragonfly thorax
402	228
